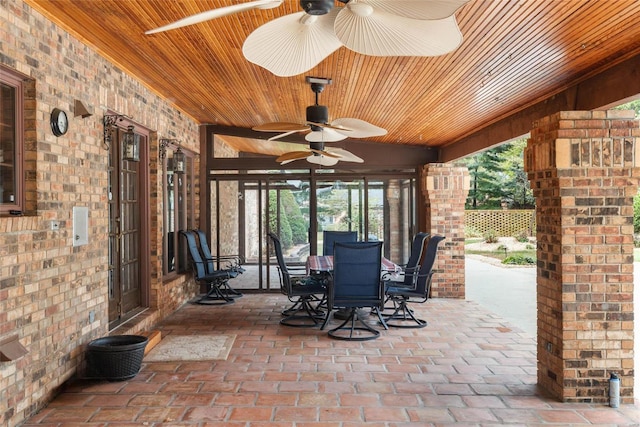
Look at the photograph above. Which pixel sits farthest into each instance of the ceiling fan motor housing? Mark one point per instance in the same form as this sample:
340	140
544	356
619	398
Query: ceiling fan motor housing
316	7
317	114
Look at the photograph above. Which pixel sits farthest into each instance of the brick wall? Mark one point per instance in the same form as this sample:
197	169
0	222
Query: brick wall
583	170
48	287
445	188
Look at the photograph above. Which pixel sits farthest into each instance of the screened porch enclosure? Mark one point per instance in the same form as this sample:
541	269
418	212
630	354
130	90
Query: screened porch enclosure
299	207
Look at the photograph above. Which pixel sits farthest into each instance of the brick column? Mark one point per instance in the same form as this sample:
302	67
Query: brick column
582	166
445	188
397	224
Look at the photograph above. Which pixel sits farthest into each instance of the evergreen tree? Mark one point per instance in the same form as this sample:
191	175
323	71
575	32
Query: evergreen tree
498	178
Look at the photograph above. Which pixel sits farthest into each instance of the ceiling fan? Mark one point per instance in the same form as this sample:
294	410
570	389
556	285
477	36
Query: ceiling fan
320	130
295	43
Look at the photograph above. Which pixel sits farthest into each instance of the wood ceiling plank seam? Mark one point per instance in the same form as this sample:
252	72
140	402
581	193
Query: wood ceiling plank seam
437	79
481	76
78	15
374	68
523	33
173	39
508	113
406	110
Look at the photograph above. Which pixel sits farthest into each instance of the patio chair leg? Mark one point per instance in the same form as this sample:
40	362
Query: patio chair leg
402	314
296	319
352	328
215	297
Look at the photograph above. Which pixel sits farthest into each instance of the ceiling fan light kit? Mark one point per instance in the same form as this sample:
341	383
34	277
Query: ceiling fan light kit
297	42
320	130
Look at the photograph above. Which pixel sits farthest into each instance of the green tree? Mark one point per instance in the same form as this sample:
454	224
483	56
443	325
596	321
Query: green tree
516	189
284	228
294	217
484	168
633	105
498	178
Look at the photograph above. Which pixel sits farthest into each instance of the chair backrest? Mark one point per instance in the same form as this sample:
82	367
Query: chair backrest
423	285
356	275
329	238
205	251
413	265
285	278
198	263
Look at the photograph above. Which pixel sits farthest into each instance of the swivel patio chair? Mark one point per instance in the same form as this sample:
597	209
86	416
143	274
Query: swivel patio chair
408	272
356	285
216	282
331	237
401	296
300	288
232	263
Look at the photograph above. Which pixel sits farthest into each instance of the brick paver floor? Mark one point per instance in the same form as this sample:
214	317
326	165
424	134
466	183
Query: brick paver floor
467	367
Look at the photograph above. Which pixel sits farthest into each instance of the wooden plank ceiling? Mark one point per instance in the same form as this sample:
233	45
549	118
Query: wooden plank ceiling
514	54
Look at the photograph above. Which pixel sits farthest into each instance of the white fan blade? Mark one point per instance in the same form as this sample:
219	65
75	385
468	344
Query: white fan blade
359	128
217	13
292	44
345	156
417	9
321	160
325	135
383	34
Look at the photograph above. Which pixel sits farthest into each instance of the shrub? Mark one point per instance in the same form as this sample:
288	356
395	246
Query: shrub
518	260
490	237
522	237
636	213
471	232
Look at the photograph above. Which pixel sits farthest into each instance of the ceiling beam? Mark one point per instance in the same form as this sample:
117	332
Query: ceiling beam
376	155
610	87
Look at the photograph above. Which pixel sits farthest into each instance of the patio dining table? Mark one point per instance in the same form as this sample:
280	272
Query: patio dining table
324	264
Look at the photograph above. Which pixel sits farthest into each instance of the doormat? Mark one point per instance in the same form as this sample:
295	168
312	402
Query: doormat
178	348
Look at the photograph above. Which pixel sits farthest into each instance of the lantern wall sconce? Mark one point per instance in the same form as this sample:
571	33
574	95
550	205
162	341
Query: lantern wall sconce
179	162
130	141
178	158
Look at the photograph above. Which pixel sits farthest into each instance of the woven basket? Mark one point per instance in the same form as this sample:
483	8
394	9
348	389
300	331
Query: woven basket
115	358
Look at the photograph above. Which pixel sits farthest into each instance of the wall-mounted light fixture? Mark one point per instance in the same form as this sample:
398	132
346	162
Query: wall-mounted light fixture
130	141
164	143
130	145
80	110
178	159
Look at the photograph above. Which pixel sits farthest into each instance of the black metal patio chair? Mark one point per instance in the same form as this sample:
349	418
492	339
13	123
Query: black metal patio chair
232	263
216	282
356	285
300	288
329	238
401	296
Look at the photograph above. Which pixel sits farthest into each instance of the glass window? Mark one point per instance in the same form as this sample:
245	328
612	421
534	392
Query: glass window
179	208
11	142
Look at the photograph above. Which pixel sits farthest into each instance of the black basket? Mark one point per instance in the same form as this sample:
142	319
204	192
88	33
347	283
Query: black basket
115	358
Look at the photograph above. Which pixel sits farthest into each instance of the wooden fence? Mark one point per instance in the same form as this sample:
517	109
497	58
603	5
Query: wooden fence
504	223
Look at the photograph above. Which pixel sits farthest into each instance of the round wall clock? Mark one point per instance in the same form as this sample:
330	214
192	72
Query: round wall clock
59	122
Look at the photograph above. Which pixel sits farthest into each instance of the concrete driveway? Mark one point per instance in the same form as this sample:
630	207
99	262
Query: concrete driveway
510	292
